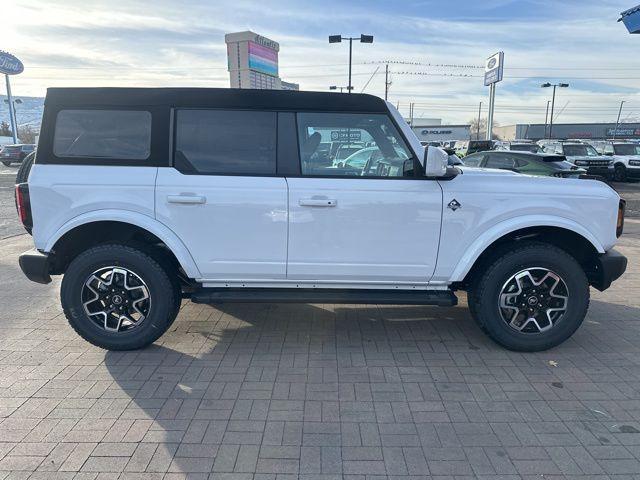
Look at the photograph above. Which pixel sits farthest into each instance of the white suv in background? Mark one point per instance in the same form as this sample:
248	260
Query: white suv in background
143	197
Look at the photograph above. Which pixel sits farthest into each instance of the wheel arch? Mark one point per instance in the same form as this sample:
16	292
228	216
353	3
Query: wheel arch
563	233
101	226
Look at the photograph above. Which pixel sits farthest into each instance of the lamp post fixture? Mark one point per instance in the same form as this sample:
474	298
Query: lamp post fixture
336	87
553	100
361	38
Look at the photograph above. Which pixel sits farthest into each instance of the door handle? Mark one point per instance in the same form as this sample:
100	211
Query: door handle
187	199
317	202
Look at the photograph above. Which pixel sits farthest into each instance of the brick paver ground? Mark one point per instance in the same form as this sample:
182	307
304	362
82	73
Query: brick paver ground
316	391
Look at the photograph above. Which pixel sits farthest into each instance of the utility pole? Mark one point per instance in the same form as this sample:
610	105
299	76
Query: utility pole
478	126
546	119
618	120
411	114
387	83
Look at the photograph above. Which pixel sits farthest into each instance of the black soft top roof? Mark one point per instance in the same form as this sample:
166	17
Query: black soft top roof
215	97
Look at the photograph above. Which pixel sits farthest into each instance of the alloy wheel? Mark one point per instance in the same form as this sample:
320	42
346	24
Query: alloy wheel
533	300
116	299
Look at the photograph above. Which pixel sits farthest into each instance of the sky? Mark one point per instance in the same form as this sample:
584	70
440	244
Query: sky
437	50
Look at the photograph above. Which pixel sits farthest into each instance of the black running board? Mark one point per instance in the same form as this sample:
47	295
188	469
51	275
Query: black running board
442	298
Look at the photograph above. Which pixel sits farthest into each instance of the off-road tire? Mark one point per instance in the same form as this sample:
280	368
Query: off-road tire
620	173
483	296
161	291
25	167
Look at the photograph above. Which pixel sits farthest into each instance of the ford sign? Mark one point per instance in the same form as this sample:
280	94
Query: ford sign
10	65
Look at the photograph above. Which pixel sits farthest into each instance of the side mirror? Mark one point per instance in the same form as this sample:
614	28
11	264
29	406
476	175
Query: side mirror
436	161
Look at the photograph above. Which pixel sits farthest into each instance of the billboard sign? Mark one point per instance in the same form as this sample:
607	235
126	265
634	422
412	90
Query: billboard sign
493	68
263	59
10	65
623	132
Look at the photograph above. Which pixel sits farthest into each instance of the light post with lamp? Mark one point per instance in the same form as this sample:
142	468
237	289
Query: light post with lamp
553	100
361	38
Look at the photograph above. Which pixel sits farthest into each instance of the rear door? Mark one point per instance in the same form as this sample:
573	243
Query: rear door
371	224
222	196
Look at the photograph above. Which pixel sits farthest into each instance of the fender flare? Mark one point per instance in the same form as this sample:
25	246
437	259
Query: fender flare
472	253
170	239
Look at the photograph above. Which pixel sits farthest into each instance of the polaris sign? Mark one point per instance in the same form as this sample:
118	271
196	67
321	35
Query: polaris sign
10	65
493	69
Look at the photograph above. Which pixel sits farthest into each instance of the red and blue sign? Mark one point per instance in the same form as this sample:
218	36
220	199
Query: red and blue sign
263	59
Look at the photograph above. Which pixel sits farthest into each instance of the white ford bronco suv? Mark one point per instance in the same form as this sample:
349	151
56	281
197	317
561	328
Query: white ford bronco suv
142	197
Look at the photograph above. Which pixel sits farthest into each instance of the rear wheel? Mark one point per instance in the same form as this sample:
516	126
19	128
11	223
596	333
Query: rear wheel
118	297
531	298
620	173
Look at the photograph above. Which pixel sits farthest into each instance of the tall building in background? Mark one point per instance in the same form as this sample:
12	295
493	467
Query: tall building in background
253	62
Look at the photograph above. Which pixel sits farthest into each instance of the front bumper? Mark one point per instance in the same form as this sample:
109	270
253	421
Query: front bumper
607	267
633	172
35	265
599	170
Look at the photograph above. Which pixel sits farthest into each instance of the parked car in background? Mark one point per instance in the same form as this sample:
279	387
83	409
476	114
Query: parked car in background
467	147
539	164
15	153
582	155
519	146
626	159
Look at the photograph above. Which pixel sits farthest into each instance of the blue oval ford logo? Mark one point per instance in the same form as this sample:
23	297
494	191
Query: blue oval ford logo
9	64
492	63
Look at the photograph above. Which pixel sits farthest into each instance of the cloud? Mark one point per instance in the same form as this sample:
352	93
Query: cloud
168	43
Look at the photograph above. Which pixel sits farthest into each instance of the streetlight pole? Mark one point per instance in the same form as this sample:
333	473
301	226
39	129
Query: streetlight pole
618	120
478	126
387	83
546	119
361	38
553	101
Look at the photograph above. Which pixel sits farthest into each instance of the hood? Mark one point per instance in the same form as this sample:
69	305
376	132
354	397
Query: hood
626	157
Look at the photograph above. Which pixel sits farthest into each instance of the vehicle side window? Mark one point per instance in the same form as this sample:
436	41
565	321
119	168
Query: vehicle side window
108	134
473	160
368	145
608	149
225	142
500	161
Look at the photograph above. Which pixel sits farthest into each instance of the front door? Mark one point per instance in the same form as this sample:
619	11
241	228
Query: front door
356	222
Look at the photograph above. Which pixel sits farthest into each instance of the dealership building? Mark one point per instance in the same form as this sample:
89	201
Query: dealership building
252	61
434	131
594	131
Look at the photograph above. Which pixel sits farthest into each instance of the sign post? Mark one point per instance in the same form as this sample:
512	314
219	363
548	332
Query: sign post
493	70
10	65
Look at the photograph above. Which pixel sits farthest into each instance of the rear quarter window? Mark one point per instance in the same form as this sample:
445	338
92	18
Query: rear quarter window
108	134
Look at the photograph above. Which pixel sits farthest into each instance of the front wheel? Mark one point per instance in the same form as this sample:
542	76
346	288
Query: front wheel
117	297
530	298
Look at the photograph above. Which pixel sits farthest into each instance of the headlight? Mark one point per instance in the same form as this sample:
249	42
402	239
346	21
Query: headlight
634	163
581	162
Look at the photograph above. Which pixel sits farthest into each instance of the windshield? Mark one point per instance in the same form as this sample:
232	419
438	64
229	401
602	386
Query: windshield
626	149
579	151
